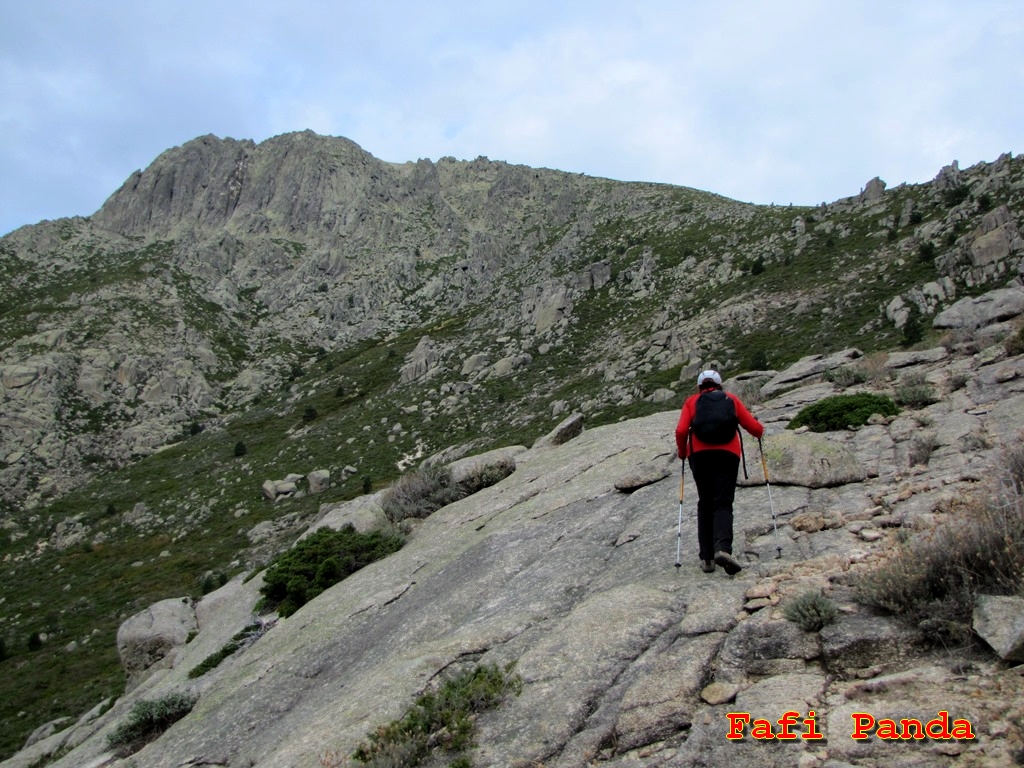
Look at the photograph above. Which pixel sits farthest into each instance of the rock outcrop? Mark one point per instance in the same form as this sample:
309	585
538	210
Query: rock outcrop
151	638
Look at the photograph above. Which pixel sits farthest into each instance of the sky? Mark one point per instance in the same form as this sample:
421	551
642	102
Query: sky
788	101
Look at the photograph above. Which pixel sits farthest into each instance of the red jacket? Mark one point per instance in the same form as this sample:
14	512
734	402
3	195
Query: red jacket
684	447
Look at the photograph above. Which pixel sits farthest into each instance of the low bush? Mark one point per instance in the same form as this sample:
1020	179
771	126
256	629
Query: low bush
320	561
922	445
811	610
486	476
440	721
957	381
914	391
932	577
420	493
147	720
846	376
842	411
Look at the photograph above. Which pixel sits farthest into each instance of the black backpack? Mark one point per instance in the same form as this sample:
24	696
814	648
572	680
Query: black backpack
715	420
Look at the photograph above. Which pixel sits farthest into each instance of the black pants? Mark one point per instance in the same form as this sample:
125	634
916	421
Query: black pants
714	473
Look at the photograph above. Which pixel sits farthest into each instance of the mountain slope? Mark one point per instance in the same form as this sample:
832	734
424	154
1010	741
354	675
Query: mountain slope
624	659
327	310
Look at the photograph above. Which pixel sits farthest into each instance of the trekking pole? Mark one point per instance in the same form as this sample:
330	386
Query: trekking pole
764	466
679	531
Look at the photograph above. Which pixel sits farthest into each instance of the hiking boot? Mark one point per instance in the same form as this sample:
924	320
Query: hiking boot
708	566
728	562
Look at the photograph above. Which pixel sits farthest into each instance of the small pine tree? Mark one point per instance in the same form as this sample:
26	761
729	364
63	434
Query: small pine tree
309	414
758	361
912	330
240	449
367	484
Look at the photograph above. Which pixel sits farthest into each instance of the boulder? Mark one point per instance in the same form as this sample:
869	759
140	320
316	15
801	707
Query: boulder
17	376
151	637
363	513
804	368
999	621
508	365
977	312
46	730
916	357
274	490
476	363
319	480
805	459
421	362
643	474
563	433
500	459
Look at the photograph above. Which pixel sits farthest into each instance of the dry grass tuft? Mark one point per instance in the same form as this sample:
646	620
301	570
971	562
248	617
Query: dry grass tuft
933	577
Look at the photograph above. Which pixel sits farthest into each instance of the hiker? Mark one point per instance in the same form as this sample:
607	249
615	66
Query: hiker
708	434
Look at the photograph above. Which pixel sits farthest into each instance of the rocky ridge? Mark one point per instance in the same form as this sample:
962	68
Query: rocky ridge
566	568
211	277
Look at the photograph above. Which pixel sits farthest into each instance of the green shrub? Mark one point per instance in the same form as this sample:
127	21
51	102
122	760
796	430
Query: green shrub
147	720
319	561
913	332
811	610
240	449
846	375
914	391
842	411
442	720
208	584
758	360
931	579
955	195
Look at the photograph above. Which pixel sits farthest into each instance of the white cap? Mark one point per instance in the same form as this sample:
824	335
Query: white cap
709	376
